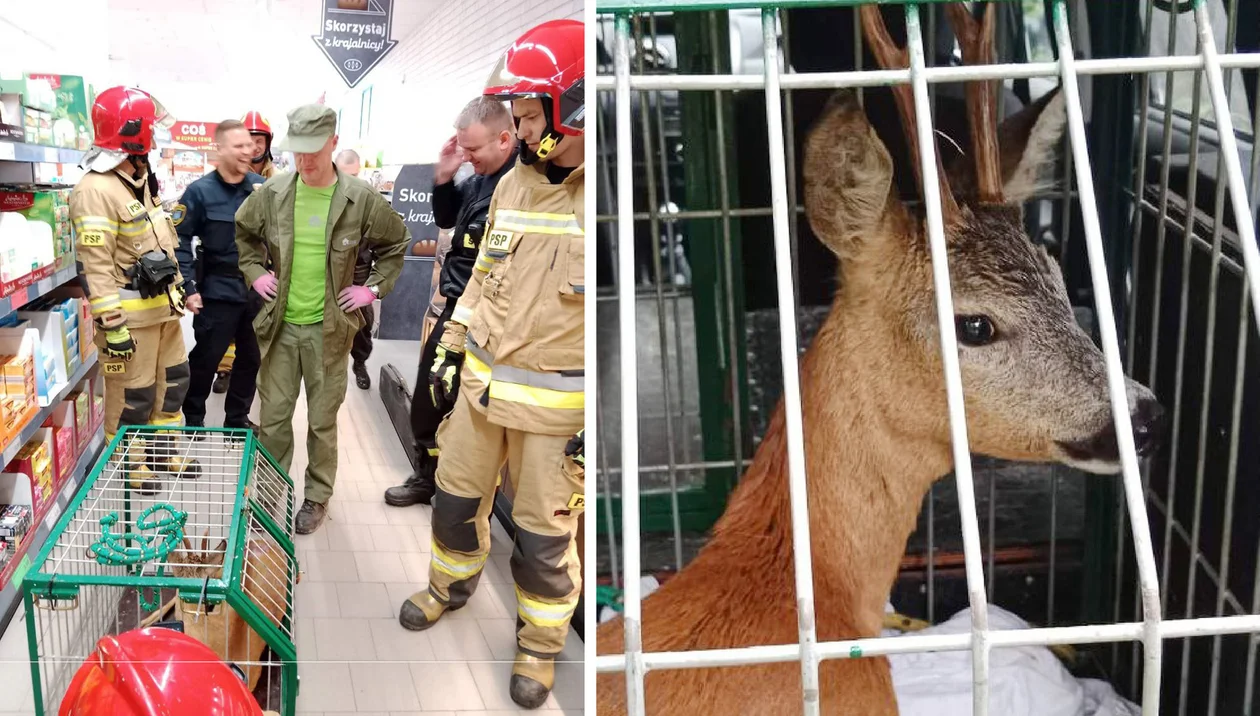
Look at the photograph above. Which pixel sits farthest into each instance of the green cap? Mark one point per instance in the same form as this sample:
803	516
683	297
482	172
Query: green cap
310	126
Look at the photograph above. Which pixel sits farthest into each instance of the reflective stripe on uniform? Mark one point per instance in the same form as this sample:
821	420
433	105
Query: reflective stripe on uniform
518	385
450	564
104	304
484	263
543	614
135	227
538	397
166	421
461	315
132	302
477	360
536	222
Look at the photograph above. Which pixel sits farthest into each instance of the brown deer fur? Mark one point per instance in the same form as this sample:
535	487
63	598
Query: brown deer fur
876	423
219	626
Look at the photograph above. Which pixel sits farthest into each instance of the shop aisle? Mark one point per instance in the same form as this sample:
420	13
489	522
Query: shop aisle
358	568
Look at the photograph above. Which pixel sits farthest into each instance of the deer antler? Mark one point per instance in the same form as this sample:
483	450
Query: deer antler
976	40
890	56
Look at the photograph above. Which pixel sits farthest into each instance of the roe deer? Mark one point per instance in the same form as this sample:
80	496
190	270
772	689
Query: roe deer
874	404
219	626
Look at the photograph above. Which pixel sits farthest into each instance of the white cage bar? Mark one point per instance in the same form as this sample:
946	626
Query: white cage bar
1207	64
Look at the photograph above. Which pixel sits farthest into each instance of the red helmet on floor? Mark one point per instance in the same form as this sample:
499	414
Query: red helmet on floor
549	63
156	672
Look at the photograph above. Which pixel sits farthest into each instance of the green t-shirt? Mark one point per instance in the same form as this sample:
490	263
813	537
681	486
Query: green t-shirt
310	251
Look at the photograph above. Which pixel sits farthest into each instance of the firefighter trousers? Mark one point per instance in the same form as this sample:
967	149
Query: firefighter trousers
229	357
295	359
548	504
150	388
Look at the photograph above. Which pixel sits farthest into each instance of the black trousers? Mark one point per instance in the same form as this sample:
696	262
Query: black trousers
218	324
425	418
362	346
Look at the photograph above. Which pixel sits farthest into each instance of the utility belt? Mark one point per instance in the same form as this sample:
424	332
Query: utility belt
153	275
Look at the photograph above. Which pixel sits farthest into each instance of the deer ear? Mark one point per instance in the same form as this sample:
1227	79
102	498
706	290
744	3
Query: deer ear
1028	141
848	176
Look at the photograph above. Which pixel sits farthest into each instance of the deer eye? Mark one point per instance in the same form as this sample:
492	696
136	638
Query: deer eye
974	330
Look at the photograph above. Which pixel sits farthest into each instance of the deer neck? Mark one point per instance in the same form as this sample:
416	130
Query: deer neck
868	468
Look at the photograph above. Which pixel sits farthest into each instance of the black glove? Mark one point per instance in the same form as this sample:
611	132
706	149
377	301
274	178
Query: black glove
576	448
442	378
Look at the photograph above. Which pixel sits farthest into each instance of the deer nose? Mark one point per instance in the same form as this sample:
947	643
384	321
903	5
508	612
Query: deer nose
1148	426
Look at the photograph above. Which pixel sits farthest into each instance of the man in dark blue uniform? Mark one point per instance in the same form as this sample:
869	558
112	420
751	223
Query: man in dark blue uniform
216	292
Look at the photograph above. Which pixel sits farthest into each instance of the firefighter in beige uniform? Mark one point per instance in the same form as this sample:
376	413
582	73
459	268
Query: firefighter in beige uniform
518	332
126	244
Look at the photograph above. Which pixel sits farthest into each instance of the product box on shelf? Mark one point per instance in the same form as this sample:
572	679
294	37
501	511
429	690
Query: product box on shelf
35	460
86	327
71	123
98	401
11	128
61	422
51	208
52	327
48	353
18	404
15	518
81	399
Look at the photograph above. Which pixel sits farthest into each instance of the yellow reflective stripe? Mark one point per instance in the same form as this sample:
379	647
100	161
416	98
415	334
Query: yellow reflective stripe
484	263
543	614
449	564
166	421
462	314
538	397
131	229
476	364
144	304
536	222
95	223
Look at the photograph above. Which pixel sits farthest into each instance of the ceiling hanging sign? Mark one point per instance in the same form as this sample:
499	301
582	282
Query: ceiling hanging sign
356	36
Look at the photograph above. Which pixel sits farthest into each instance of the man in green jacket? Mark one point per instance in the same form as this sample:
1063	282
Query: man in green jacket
298	237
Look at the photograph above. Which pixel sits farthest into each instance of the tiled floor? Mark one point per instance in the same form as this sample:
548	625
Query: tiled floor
358	568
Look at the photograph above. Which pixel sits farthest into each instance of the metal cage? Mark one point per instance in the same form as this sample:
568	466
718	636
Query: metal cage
211	555
1154	226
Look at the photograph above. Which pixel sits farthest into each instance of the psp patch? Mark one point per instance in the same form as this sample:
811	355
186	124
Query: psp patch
135	208
91	238
178	213
116	368
498	242
577	502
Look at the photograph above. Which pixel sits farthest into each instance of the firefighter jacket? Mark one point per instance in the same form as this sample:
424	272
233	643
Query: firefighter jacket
117	220
358	215
207	210
462	209
520	322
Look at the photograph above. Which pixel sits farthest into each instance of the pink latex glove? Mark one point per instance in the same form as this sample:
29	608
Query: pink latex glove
352	298
266	286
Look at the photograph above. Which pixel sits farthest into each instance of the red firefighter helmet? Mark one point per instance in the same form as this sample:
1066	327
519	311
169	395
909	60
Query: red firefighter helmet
256	123
548	62
156	672
123	119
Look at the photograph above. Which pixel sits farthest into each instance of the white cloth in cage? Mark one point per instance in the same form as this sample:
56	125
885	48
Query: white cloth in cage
1023	681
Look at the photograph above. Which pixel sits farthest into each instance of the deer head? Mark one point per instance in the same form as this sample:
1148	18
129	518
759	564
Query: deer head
1034	383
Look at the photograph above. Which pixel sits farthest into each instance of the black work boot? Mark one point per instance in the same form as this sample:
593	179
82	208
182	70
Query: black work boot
418	489
361	377
221	381
310	517
532	680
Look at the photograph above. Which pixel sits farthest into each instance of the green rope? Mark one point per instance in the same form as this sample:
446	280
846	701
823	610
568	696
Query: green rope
132	548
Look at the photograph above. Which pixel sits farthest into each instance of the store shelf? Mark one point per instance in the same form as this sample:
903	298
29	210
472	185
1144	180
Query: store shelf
18	152
26	294
10	592
28	432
